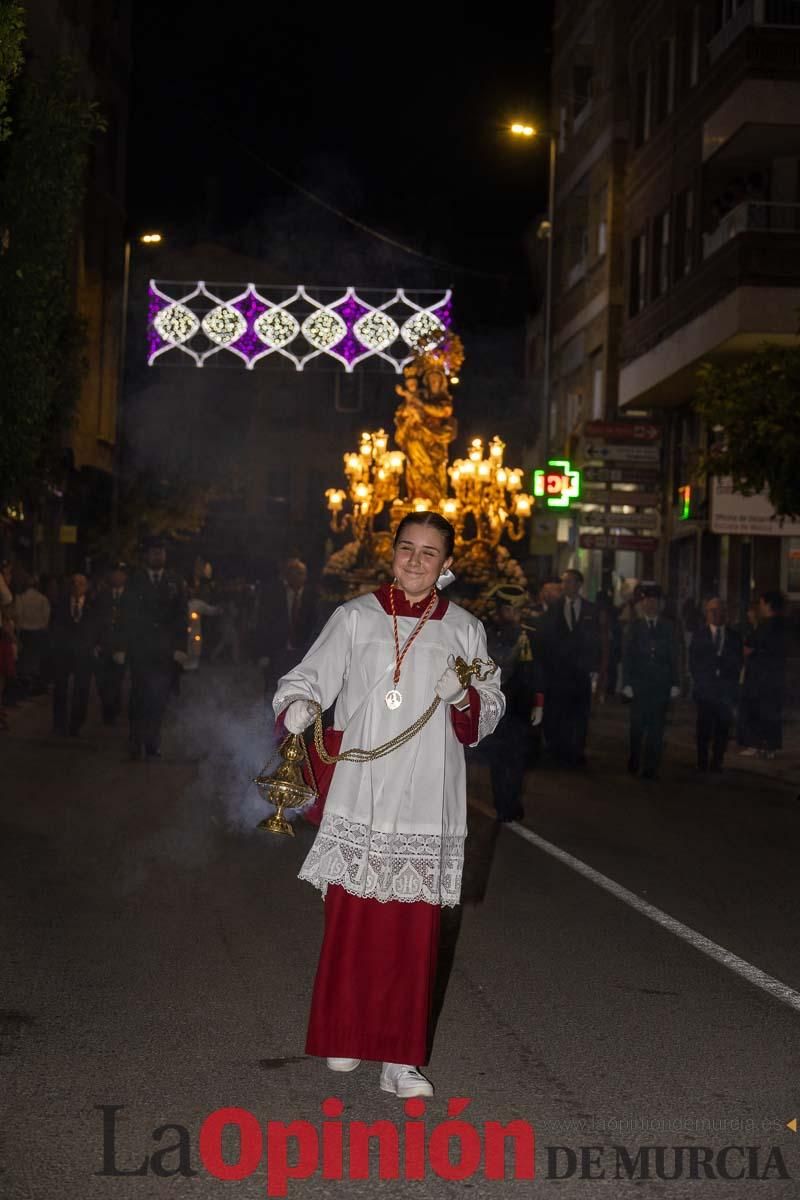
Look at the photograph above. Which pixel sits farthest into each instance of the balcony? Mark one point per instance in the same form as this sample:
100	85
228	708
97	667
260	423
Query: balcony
770	14
752	216
744	294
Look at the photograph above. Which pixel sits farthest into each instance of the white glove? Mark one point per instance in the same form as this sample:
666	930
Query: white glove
180	656
299	715
450	688
536	717
594	683
674	692
627	691
119	657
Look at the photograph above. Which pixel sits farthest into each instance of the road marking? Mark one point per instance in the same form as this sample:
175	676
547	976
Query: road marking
739	966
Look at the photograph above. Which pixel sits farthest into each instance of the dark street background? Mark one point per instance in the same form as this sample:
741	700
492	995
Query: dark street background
158	954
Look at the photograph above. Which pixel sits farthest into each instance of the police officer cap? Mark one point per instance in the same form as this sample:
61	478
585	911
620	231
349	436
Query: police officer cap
154	542
650	590
509	593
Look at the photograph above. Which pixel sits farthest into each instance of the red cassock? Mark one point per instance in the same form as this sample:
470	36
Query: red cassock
375	980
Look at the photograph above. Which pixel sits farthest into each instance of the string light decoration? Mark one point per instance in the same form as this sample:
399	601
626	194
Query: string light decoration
223	325
176	324
252	322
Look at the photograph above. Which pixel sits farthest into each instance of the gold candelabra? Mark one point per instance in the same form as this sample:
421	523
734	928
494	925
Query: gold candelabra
373	481
487	493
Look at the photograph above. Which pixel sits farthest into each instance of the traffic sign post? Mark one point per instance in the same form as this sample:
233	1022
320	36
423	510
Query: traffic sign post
641	475
626	452
622	431
617	541
611	520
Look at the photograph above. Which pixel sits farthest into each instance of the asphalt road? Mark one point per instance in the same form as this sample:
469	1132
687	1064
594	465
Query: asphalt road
157	954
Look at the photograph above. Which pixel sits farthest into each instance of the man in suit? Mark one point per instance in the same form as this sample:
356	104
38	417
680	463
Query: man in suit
571	644
73	641
510	646
651	678
154	631
110	667
286	622
715	664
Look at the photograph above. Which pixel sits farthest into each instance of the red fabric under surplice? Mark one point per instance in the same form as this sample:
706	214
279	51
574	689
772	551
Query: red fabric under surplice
374	986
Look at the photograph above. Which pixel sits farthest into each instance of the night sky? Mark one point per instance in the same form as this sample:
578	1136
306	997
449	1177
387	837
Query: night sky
398	120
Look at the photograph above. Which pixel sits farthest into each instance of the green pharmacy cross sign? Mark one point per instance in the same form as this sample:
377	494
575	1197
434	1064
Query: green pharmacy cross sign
559	485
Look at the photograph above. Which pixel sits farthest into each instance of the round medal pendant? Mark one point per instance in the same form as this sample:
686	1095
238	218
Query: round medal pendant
393	699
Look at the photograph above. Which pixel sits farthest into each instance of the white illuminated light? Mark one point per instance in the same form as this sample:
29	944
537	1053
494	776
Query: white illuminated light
276	328
224	325
176	324
237	325
376	330
323	329
423	330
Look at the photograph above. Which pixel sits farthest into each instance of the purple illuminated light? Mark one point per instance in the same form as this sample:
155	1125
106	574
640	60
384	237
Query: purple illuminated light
350	347
250	344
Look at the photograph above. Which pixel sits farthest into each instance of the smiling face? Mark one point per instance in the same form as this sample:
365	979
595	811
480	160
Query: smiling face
420	556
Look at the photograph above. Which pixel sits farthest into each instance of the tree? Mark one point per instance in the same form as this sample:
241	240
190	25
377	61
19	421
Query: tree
754	405
12	35
42	183
174	509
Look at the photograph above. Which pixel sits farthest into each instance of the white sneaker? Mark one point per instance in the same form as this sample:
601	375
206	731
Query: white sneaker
343	1064
404	1081
748	752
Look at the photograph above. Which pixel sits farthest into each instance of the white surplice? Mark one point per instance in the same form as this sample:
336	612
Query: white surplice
394	828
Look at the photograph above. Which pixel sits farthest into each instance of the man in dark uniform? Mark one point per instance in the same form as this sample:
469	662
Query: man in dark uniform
509	646
571	645
651	677
286	622
154	625
73	641
715	664
110	667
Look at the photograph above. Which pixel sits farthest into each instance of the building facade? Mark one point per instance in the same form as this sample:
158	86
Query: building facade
677	242
95	36
589	119
712	253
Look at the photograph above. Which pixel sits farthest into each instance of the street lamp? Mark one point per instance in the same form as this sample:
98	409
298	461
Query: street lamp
546	230
146	239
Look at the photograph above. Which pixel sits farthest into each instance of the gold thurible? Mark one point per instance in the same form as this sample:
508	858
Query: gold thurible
285	787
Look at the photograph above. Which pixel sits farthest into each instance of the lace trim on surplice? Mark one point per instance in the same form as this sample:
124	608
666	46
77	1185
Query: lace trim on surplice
385	866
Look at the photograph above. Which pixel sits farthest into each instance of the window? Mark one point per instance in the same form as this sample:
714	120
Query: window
638	274
597	385
642	130
665	80
694	55
684	232
574	411
601	214
659	276
582	75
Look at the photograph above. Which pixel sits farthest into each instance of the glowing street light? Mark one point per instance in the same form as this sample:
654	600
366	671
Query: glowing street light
523	130
150	239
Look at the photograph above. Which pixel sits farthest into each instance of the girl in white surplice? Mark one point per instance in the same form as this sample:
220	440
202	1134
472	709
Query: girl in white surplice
390	848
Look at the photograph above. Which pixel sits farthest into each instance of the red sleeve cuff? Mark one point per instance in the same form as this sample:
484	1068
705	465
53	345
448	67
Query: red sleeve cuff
538	700
466	721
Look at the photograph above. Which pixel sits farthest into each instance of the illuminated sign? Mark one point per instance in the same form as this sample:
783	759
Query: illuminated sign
559	485
685	502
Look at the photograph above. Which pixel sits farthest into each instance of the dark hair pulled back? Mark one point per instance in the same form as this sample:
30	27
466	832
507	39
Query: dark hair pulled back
435	520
